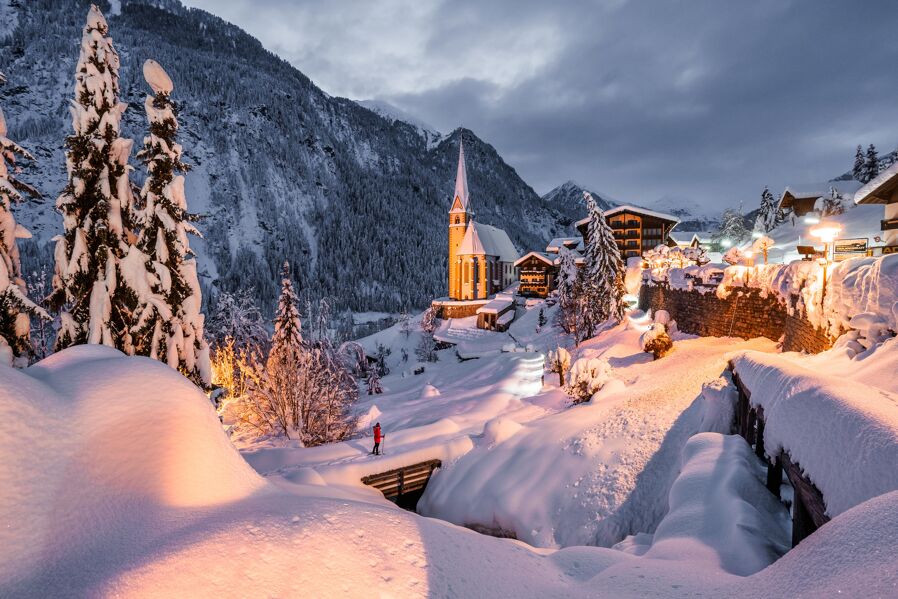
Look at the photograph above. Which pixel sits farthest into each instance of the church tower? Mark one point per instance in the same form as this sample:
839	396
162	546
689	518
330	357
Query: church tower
459	218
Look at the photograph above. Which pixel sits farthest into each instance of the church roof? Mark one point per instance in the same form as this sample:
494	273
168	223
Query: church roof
461	181
487	240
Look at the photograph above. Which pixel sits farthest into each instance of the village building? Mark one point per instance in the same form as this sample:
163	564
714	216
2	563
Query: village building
481	257
884	190
691	239
636	230
537	272
806	200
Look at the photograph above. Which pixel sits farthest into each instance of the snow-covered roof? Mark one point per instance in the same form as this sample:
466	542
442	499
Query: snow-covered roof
816	190
501	302
569	242
637	210
538	255
461	180
684	236
880	189
487	240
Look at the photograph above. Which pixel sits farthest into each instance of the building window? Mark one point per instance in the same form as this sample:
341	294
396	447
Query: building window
457	220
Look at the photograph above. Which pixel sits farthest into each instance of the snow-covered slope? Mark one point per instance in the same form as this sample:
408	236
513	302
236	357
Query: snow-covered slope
117	480
392	114
355	201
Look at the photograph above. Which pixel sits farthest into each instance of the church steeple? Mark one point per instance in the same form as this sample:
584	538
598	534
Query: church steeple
461	200
459	220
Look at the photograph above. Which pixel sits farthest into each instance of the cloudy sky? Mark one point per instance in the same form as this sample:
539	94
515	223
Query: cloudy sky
707	100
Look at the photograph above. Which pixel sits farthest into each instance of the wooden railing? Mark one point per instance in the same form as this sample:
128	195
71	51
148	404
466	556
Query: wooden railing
808	506
396	483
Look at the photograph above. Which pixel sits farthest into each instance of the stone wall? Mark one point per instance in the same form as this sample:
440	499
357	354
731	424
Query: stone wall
457	309
745	314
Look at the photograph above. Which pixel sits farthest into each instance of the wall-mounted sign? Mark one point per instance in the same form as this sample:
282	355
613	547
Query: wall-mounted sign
890	249
844	249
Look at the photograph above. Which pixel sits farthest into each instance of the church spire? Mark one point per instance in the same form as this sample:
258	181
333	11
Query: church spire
461	181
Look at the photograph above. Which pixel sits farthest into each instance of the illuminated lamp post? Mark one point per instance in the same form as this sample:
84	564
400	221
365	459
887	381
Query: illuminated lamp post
827	233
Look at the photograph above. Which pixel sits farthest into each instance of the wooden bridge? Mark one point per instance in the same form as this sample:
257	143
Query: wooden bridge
808	506
404	485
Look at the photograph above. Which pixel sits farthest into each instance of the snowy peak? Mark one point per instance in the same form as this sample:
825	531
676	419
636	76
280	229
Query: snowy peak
393	114
570	193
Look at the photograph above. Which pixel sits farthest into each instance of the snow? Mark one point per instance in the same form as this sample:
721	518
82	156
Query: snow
501	302
637	210
116	479
841	428
487	240
597	472
720	510
857	222
157	78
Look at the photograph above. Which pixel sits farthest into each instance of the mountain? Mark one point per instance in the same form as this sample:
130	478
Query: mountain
569	195
356	199
386	110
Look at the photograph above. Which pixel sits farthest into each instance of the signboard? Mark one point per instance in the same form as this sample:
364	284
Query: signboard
890	249
843	249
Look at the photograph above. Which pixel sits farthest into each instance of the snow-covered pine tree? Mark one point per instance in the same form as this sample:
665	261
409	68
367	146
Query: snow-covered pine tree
15	307
858	171
96	204
160	267
834	204
769	215
732	228
871	164
603	289
287	339
373	383
567	290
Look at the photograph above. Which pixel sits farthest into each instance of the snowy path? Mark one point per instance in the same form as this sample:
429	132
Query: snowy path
594	473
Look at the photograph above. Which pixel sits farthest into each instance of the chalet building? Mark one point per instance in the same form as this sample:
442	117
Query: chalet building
691	239
805	200
536	272
636	230
481	257
884	190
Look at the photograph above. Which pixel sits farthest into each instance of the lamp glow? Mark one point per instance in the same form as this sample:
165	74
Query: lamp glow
826	232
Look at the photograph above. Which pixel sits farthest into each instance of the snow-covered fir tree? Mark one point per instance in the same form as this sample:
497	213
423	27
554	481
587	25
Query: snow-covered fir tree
732	228
373	383
858	171
287	339
160	267
871	164
96	204
603	288
834	204
769	215
15	307
567	290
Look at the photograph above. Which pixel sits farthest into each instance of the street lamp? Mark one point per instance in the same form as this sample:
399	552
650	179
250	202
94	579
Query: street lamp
827	233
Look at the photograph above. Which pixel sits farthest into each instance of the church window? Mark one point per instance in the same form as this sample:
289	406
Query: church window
457	220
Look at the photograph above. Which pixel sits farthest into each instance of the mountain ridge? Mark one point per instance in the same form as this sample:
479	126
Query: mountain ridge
282	170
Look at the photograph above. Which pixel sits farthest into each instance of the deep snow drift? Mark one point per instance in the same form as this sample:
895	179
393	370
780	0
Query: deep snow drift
117	480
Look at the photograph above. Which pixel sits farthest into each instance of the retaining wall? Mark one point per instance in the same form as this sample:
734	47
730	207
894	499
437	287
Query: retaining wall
745	314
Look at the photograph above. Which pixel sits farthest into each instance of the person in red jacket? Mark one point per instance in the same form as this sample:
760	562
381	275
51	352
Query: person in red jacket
377	437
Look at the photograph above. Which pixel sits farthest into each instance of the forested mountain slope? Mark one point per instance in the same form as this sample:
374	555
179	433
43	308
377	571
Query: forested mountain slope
356	201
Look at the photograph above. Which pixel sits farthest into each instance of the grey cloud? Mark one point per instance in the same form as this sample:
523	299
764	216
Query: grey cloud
703	99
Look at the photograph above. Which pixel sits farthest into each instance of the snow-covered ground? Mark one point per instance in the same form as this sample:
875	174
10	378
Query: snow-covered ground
116	478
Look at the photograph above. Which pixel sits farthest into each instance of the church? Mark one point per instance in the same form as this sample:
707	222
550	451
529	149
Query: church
481	257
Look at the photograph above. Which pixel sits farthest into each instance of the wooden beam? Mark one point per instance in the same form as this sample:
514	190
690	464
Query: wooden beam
809	509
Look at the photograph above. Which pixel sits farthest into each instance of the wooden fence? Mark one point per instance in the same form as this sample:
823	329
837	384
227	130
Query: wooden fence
808	506
400	482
